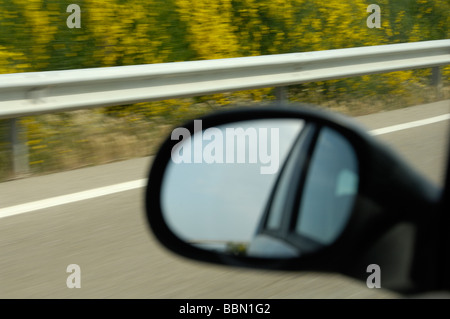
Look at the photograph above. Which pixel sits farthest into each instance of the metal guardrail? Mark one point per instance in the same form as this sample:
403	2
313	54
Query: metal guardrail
34	93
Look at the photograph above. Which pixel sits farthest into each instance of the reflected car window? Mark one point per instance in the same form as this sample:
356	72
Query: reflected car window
330	188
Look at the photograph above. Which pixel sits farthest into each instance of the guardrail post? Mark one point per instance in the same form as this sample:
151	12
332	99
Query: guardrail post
281	94
19	148
436	80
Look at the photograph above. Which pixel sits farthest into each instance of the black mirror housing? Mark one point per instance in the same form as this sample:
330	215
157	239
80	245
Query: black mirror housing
392	206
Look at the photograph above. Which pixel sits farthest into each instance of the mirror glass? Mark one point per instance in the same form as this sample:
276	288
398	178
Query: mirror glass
218	184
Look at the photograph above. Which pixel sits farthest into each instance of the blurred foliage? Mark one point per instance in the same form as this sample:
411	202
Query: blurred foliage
34	37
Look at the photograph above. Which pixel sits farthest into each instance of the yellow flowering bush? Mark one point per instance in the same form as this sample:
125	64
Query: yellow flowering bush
34	36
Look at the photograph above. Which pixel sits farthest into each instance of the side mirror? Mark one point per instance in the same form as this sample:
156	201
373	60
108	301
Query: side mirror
287	188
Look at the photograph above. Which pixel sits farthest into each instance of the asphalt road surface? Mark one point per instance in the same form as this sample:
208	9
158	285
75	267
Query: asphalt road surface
102	229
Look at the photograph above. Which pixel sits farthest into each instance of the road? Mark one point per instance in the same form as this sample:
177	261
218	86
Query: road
107	235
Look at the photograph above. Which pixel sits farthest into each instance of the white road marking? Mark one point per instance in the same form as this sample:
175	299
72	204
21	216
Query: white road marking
71	198
107	190
404	126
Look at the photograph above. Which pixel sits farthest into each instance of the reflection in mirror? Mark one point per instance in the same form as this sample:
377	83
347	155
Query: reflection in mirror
219	180
217	186
326	201
330	189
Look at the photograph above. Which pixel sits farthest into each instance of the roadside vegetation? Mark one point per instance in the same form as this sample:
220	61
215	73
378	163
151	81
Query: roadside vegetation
34	36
